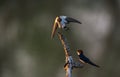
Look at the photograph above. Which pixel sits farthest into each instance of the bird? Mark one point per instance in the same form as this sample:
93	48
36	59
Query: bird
84	59
61	21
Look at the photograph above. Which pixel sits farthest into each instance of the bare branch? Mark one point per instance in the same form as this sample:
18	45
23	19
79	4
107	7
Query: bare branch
70	64
64	43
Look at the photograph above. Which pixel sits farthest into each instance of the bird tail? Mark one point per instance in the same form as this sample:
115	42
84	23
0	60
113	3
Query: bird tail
94	64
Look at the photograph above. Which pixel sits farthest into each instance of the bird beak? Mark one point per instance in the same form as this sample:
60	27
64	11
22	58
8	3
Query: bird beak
69	19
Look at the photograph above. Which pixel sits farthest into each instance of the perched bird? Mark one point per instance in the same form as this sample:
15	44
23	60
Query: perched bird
84	59
61	21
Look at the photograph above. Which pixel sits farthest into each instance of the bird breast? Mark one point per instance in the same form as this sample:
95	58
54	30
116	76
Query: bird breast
63	23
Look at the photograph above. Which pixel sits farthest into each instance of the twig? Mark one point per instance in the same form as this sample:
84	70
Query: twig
70	64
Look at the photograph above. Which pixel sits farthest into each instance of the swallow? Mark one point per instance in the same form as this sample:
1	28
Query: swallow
61	21
84	59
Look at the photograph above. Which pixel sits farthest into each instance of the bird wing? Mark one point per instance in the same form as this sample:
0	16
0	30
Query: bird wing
90	62
83	58
54	29
87	60
69	19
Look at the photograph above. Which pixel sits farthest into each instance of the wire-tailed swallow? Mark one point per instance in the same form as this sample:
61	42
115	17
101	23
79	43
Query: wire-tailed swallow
84	59
61	21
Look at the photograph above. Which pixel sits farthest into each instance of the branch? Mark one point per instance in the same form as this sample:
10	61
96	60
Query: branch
70	64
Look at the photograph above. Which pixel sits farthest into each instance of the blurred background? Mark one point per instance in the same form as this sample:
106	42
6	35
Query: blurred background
26	49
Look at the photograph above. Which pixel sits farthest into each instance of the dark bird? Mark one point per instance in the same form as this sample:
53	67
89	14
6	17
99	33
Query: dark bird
84	59
61	21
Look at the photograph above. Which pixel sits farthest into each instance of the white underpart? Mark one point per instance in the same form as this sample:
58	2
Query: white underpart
63	21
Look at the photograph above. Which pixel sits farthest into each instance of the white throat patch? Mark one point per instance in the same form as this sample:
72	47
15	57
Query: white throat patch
63	21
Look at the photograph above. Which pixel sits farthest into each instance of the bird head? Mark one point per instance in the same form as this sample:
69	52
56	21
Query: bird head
79	52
